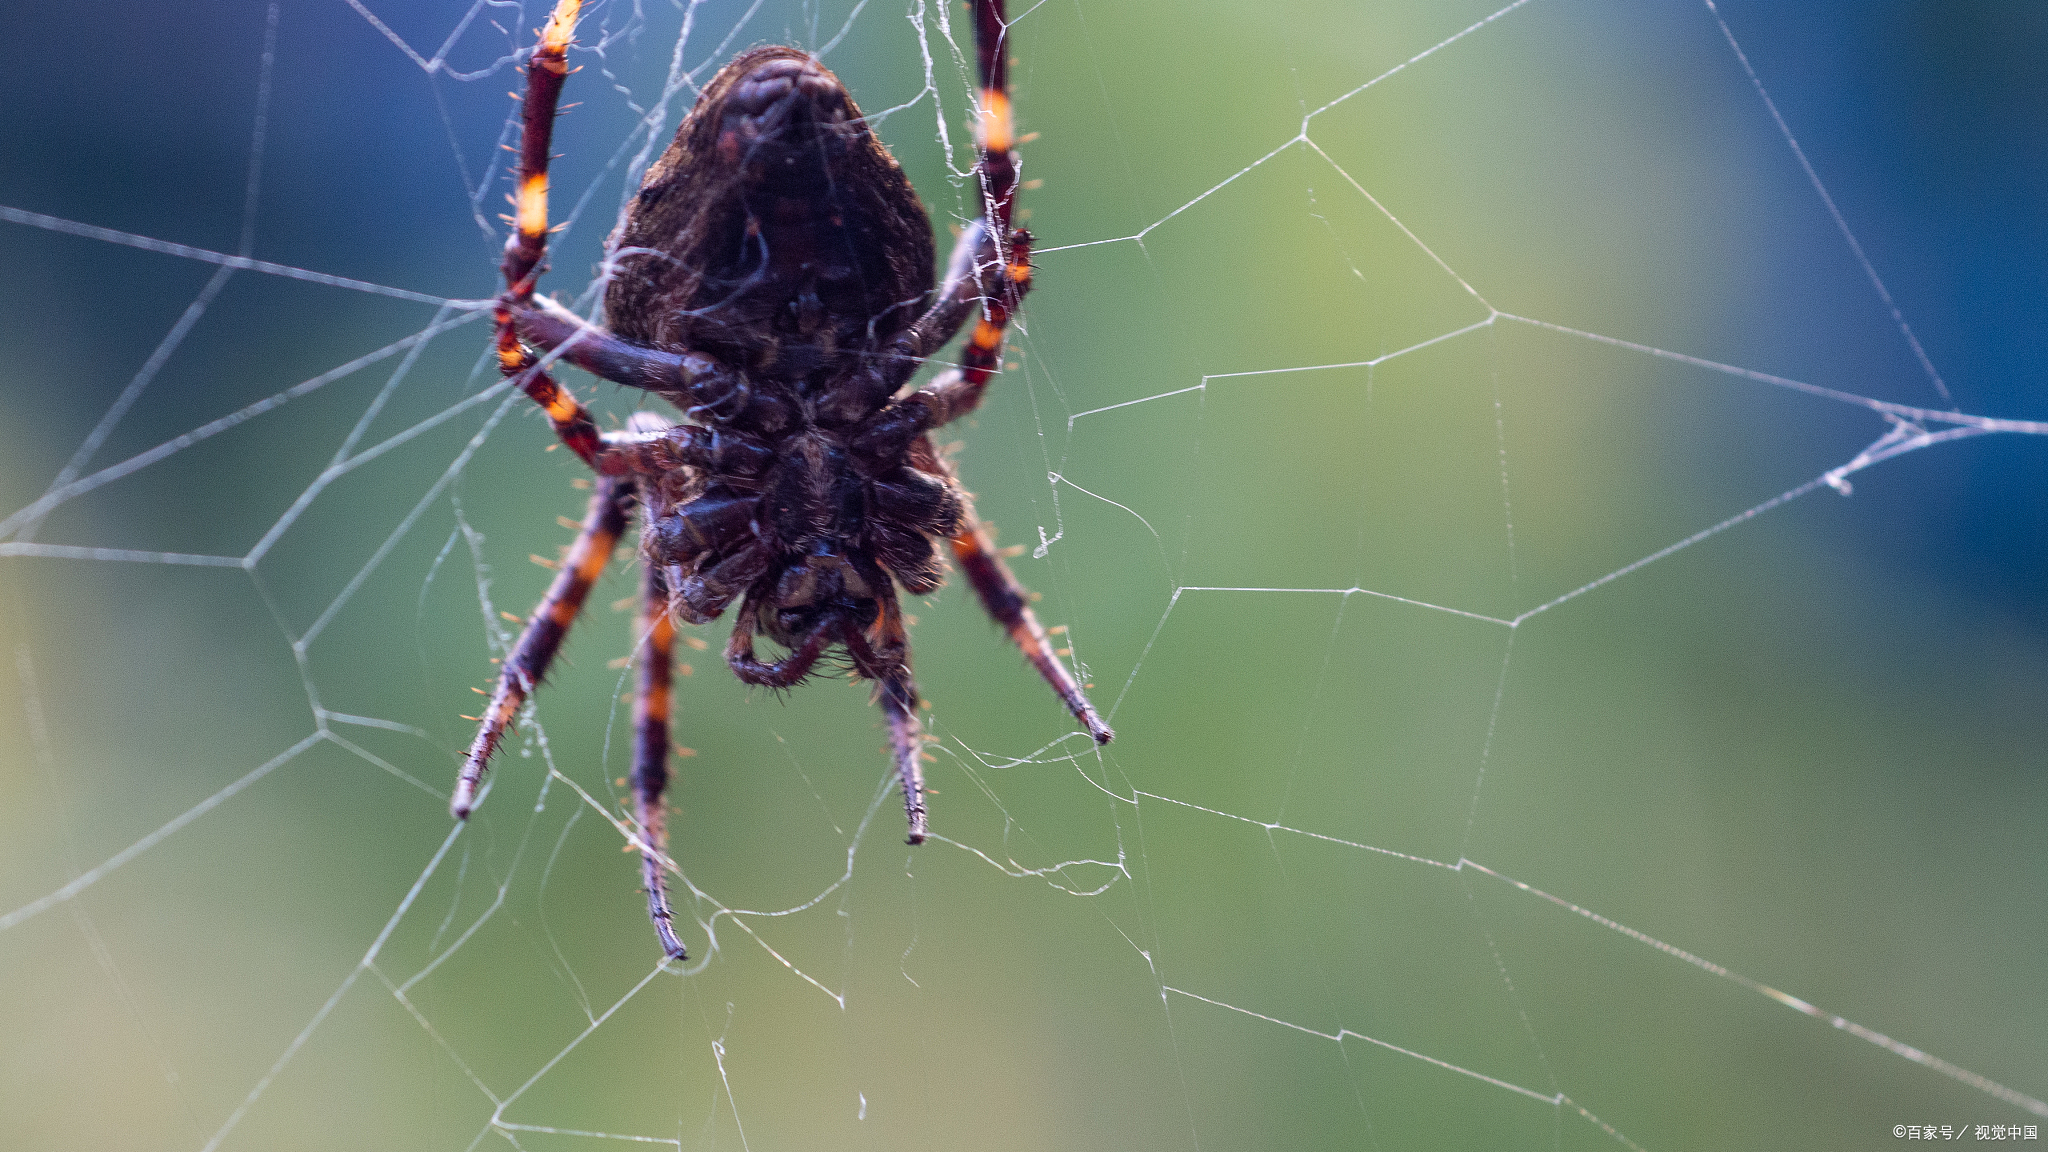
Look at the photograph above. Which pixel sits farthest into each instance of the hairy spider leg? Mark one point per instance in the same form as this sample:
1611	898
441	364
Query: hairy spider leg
989	248
1007	600
691	382
906	742
526	248
959	390
542	637
995	132
959	293
896	693
651	706
653	448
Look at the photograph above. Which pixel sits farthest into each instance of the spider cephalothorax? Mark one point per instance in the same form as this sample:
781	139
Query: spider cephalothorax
773	280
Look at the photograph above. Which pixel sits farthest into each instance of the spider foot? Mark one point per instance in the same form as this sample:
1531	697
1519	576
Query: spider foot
906	742
658	910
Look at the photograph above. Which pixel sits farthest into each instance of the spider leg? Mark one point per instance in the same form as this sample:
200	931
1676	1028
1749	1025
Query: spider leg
695	383
958	391
957	295
993	130
550	327
653	449
526	248
1007	600
653	446
702	596
906	741
542	637
996	134
990	264
651	704
896	693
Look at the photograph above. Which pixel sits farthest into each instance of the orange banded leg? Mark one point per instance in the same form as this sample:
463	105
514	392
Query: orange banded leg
958	391
651	704
545	72
1010	604
526	249
991	262
542	636
996	134
570	419
983	354
994	131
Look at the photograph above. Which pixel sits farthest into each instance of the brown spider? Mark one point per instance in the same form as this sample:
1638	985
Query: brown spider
772	280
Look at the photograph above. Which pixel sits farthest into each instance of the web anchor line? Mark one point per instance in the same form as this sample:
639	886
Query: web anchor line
1897	1048
1555	1099
1841	222
1904	437
1908	431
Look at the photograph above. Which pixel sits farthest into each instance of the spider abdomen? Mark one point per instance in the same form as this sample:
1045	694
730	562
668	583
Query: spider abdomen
775	234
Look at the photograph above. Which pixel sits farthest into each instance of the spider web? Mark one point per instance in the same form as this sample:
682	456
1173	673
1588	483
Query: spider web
1430	431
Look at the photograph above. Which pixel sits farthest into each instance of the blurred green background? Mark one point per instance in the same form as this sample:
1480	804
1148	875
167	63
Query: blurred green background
1809	748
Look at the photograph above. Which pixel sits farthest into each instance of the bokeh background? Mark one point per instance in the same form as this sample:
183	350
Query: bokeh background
1809	748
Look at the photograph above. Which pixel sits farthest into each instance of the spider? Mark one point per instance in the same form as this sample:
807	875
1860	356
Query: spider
773	280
